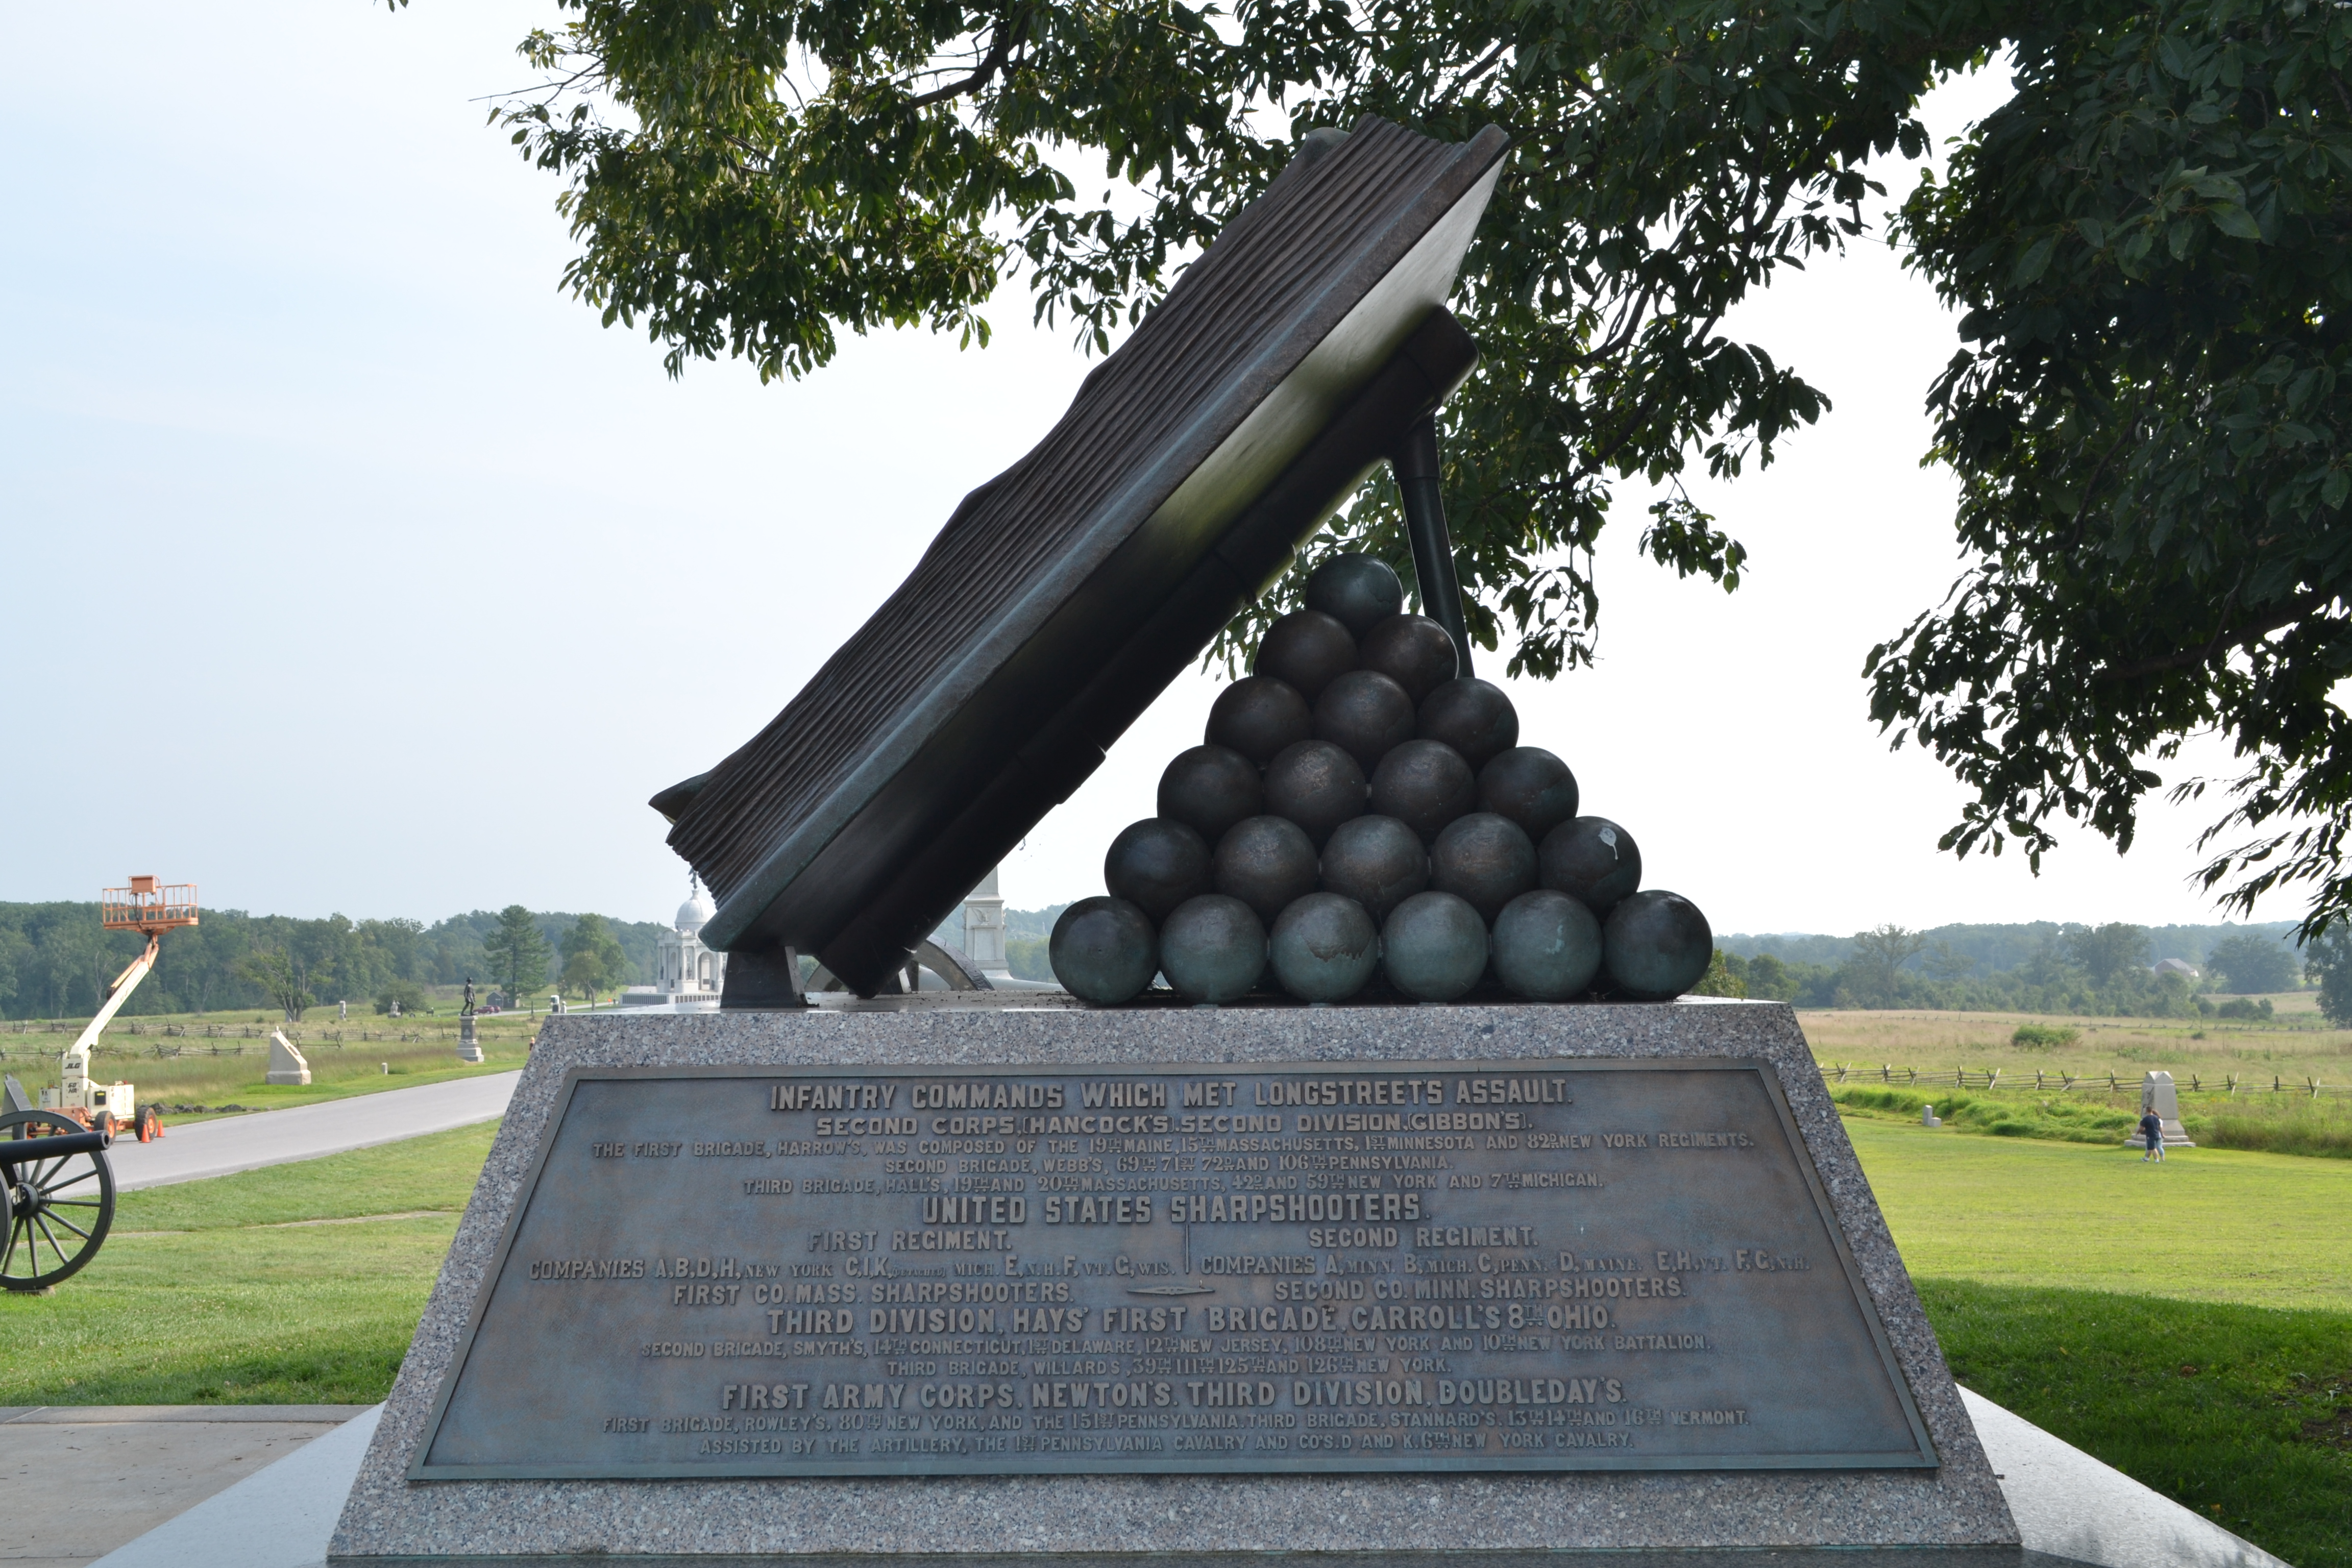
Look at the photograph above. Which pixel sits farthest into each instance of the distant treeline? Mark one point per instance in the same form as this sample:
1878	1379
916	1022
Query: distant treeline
1997	948
2041	967
56	960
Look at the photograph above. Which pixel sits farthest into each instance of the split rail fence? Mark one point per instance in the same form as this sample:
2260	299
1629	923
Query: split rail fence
2073	1083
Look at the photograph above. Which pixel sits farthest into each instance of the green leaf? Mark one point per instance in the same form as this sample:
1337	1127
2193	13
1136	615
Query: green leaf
2036	259
2236	222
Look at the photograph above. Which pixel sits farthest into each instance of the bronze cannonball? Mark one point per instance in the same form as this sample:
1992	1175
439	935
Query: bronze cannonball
1210	788
1592	859
1366	715
1316	786
1530	786
1656	945
1424	784
1485	861
1547	946
1472	715
1412	650
1266	863
1356	591
1212	949
1324	948
1103	951
1156	864
1307	651
1376	860
1257	716
1434	947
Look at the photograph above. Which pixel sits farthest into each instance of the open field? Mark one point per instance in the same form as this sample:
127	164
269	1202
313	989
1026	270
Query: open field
226	1066
2277	1124
2211	1047
2201	1058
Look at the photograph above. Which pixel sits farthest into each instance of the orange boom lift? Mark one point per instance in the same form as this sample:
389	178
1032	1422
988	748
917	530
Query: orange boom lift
149	906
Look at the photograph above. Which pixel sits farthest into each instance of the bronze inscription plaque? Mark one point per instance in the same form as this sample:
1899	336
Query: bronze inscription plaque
1505	1266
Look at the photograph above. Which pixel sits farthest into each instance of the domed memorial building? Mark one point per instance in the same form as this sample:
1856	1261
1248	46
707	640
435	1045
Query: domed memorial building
685	970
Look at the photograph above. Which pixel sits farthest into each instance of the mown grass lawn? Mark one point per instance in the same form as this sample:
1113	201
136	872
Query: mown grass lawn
219	1292
2191	1323
2244	1414
2208	1224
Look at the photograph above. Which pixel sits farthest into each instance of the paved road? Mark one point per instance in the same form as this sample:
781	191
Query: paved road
230	1143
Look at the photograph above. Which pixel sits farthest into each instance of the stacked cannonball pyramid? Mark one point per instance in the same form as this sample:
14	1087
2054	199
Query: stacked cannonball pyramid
1357	812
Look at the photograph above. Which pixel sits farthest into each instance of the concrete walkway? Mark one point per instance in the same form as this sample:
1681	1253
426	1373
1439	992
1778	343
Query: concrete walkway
231	1143
2071	1508
83	1480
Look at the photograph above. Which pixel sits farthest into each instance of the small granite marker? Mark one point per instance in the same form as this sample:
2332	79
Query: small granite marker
286	1064
2157	1095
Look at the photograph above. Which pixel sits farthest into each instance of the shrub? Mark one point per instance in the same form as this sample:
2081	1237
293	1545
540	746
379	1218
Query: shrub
2042	1036
2244	1008
1719	980
2064	1121
2312	1134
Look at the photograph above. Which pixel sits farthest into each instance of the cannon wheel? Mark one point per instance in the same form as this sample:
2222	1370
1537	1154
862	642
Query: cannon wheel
58	1210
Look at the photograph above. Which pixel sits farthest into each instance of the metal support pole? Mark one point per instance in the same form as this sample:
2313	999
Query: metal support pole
1414	462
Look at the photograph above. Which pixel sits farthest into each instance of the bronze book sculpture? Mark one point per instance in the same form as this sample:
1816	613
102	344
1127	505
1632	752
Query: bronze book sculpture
1305	346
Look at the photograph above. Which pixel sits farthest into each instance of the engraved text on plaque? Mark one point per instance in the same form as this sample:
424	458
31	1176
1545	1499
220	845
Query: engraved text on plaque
1523	1265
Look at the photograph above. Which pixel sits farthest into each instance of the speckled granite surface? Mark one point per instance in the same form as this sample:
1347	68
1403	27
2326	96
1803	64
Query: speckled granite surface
1959	1504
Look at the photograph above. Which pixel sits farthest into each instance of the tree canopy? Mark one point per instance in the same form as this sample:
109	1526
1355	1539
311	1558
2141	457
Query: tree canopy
593	958
2148	423
518	953
2142	242
2248	966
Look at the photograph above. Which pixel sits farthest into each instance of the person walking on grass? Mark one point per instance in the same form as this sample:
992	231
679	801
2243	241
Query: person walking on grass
2151	1127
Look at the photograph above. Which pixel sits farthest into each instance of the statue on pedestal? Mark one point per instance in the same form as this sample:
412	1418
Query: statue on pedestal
470	1045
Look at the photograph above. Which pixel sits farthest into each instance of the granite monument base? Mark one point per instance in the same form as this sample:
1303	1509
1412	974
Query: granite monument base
469	1462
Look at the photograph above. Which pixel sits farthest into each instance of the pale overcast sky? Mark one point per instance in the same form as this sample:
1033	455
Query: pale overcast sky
349	566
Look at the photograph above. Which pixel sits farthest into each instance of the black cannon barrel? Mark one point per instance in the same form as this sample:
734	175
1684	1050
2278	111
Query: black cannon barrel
26	1151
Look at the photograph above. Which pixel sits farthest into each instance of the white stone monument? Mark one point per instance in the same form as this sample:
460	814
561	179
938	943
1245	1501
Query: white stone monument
684	969
287	1064
2156	1094
983	930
